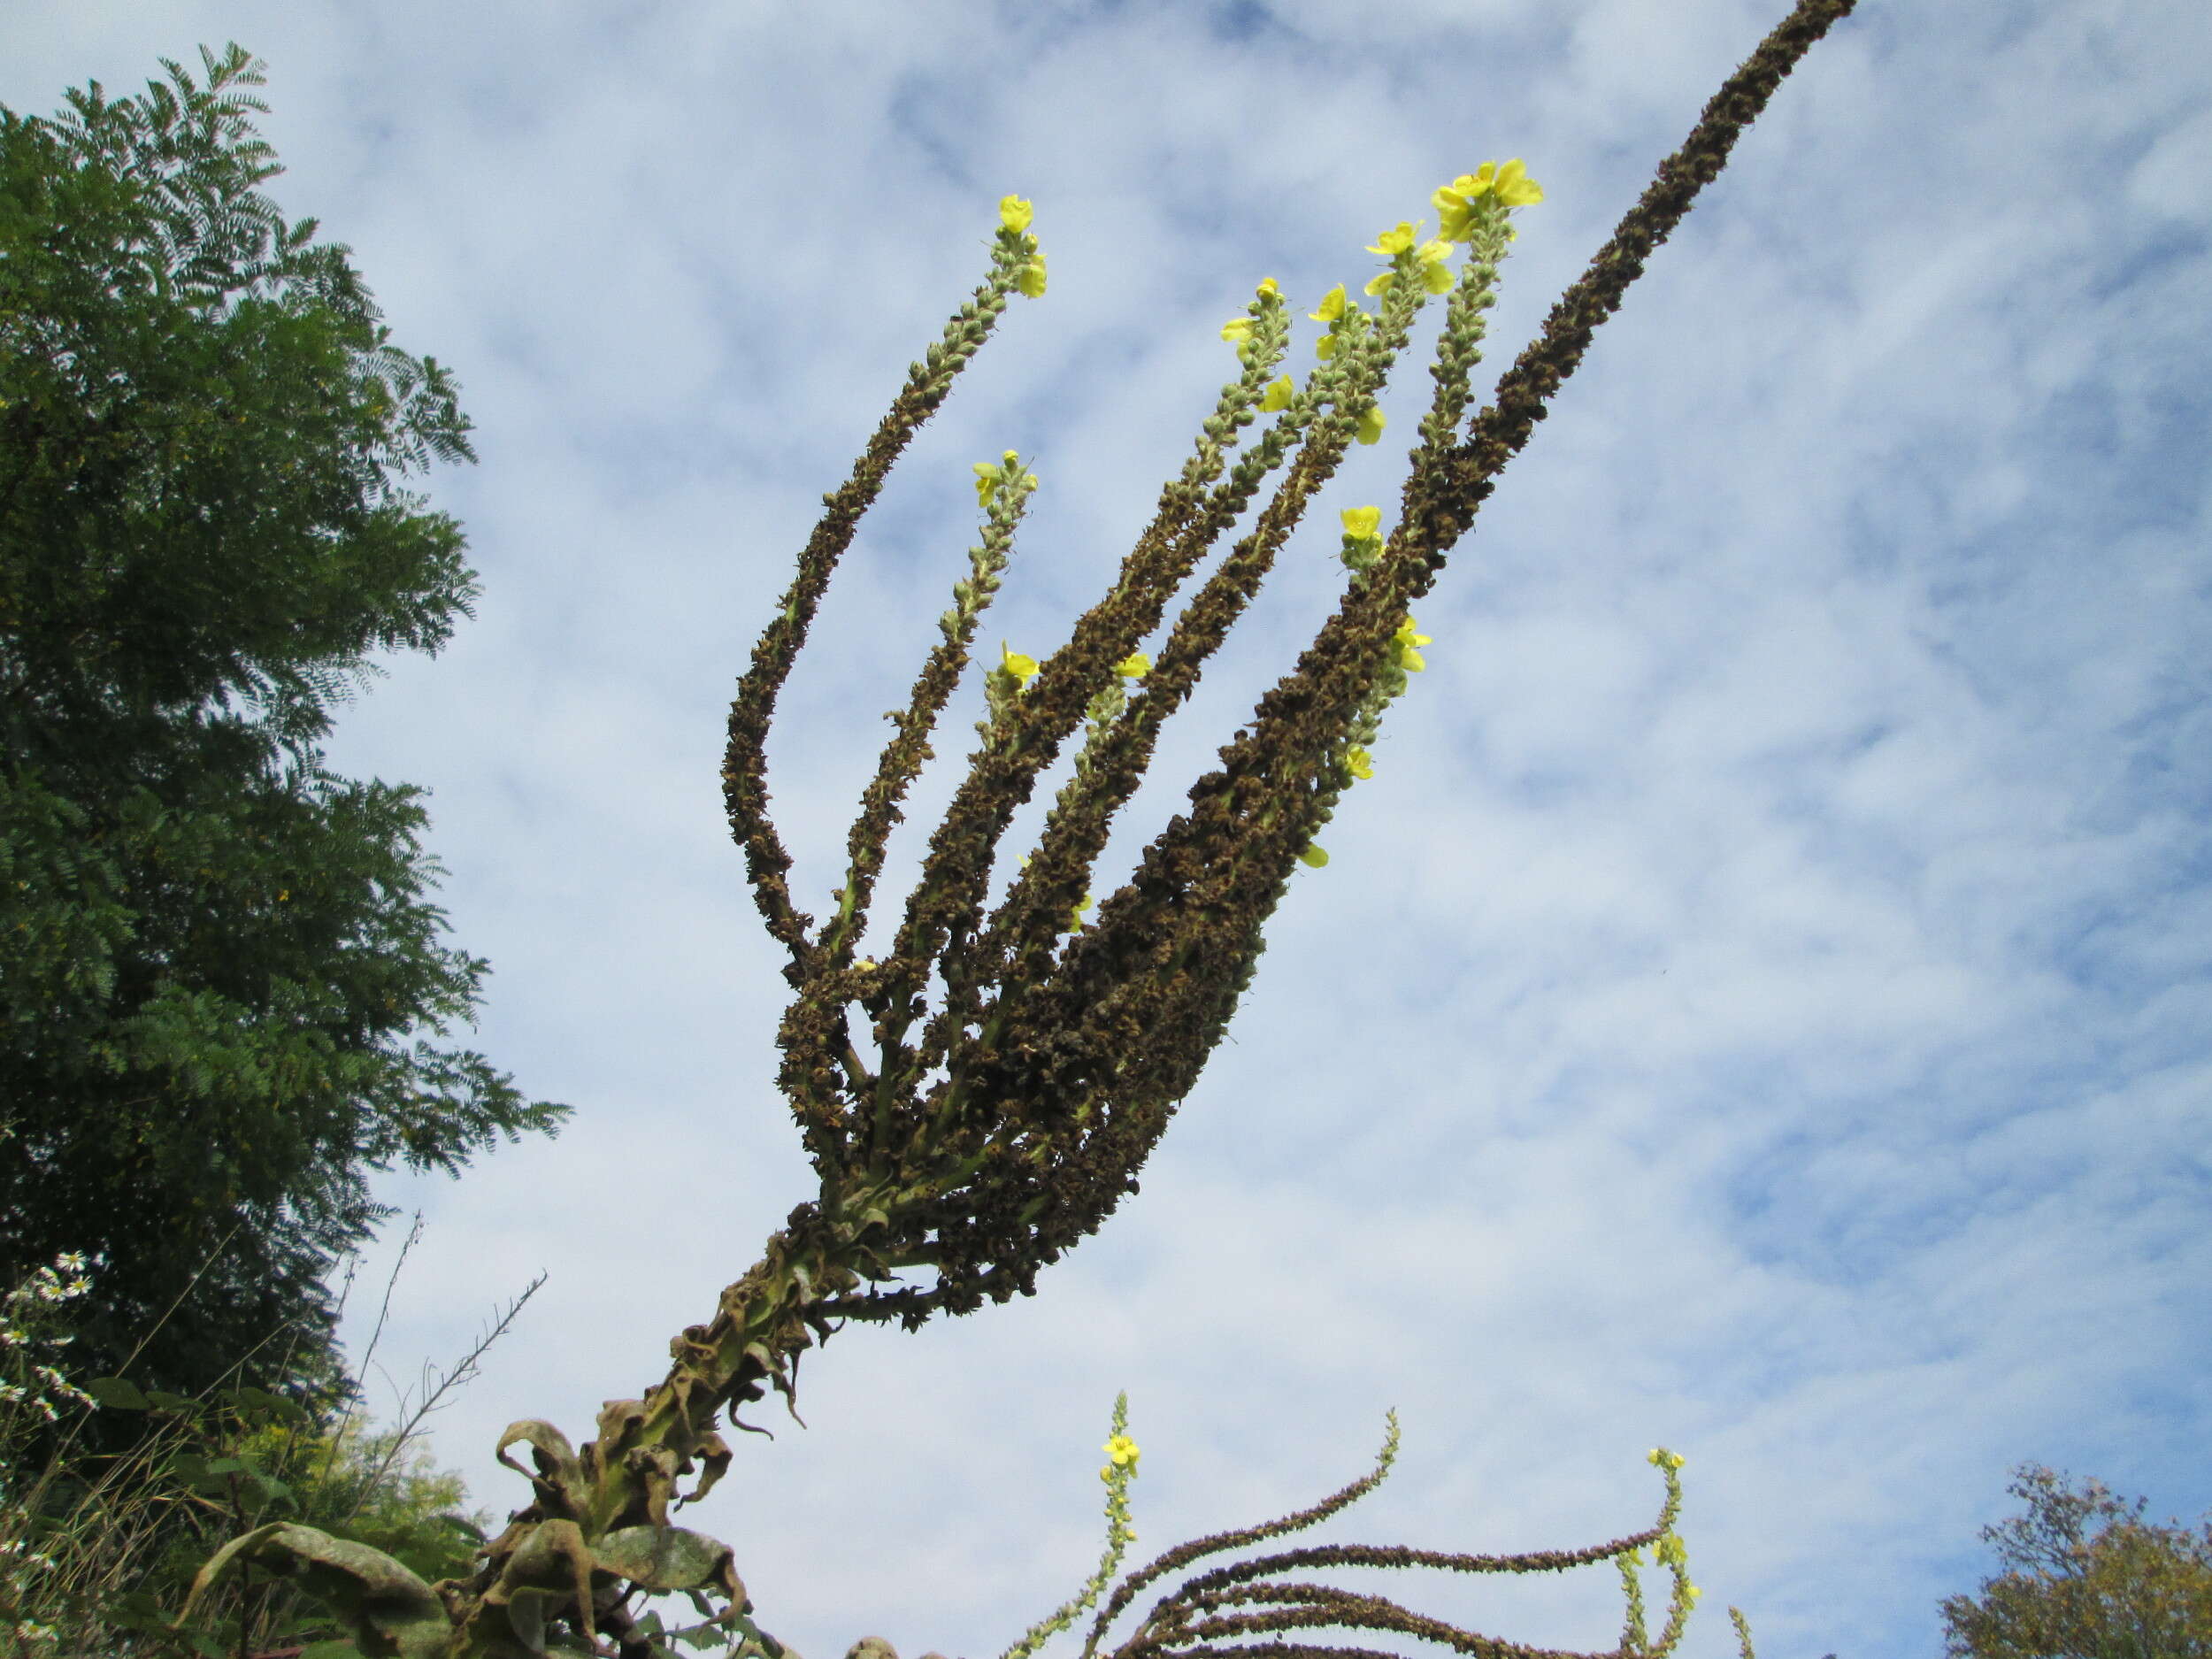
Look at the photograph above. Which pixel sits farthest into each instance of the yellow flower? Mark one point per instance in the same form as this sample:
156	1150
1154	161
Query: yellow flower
1122	1449
1359	763
1014	212
989	475
1032	279
1380	282
1136	665
1512	186
1508	185
1694	1590
1313	858
1023	669
1361	523
1331	305
1675	1460
1279	396
1404	642
1371	422
1391	244
1435	274
1268	291
1237	329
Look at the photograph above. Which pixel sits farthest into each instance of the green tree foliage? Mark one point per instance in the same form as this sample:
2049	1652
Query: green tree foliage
2085	1578
221	981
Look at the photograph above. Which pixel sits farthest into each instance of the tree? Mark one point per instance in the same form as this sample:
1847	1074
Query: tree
2121	1591
217	959
1022	1059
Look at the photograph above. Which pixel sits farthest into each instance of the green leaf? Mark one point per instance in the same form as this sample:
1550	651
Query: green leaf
137	1610
118	1393
276	1404
393	1613
664	1558
192	1469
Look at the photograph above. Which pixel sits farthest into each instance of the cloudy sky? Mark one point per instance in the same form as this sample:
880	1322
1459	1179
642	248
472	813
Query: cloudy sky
1761	1003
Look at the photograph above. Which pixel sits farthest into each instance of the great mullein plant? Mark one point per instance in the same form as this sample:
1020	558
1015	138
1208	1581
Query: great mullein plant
1021	1062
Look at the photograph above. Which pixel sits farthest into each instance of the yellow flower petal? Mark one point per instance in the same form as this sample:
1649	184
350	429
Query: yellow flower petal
1331	305
1371	422
1023	668
1380	281
1032	279
1268	291
1393	242
1237	328
1514	186
1437	278
1359	763
1014	213
1313	858
1279	395
1136	665
1361	522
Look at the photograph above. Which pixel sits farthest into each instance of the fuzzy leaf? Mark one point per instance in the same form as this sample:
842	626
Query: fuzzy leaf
394	1613
660	1558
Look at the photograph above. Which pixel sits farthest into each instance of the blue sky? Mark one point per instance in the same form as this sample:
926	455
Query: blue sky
1759	1005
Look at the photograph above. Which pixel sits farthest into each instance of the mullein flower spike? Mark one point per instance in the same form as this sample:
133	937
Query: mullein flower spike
980	1099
